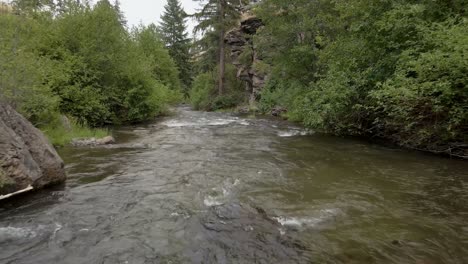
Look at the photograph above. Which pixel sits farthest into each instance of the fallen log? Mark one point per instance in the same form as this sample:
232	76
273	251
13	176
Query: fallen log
27	189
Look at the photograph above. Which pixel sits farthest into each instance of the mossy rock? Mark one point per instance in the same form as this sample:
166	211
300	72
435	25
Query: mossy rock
7	184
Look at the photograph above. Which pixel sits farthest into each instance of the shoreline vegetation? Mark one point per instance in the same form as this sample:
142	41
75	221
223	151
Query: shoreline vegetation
61	136
253	112
80	60
391	70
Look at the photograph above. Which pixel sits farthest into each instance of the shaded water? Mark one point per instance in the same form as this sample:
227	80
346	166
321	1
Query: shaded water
213	188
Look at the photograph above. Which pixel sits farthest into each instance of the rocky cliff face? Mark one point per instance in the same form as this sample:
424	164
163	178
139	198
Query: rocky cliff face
26	157
244	54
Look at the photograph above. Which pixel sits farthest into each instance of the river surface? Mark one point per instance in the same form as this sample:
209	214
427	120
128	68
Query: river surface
201	187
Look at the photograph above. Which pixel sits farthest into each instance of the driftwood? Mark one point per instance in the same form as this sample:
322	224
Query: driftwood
27	189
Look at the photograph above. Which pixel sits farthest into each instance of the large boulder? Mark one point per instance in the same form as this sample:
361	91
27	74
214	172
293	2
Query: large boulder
26	157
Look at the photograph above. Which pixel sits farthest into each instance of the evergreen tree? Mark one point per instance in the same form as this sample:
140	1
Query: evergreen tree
173	30
217	16
117	8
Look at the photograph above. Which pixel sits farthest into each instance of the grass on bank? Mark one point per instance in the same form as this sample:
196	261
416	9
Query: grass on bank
61	136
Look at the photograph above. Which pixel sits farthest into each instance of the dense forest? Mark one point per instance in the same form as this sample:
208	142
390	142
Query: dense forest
391	69
79	60
388	69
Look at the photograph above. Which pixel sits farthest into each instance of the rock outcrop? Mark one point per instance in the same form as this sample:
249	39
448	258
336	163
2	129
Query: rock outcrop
244	54
26	156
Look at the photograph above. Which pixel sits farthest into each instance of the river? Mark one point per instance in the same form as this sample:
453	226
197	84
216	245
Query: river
201	187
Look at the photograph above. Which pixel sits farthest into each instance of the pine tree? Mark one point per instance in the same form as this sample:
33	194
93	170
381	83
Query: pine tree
117	8
173	30
218	16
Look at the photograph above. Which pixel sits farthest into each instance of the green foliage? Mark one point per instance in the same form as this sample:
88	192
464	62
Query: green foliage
22	72
61	136
78	59
157	59
215	18
245	58
426	100
173	29
203	94
281	93
203	88
5	181
393	69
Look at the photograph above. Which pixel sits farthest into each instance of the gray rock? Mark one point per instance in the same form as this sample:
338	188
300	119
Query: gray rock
278	111
91	142
243	233
26	156
240	39
105	140
65	122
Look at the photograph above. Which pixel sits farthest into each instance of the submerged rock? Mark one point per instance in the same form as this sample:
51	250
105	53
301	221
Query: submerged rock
26	156
106	140
89	142
237	233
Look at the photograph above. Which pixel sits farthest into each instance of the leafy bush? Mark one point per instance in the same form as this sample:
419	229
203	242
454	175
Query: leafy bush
280	93
204	95
82	62
203	88
426	101
392	69
226	101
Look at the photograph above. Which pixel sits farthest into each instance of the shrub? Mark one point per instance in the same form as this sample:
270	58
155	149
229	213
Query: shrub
203	88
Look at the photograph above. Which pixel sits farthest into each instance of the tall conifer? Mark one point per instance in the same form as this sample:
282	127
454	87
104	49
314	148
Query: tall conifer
174	34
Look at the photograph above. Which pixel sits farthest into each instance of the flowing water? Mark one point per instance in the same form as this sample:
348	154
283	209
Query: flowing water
214	188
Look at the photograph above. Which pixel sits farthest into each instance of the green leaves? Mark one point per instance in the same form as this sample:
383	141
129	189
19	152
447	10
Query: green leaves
430	88
80	60
173	30
393	69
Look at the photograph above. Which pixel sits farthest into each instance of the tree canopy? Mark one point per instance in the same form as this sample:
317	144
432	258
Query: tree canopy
78	59
391	69
175	36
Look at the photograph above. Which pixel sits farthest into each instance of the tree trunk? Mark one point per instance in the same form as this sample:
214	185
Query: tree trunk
222	66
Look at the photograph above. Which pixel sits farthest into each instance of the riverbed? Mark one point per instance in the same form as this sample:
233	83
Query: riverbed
199	187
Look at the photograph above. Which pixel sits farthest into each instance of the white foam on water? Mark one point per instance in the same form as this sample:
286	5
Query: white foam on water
321	217
220	195
212	201
57	228
236	182
16	233
290	133
282	231
205	122
220	122
293	133
297	222
174	123
226	192
184	215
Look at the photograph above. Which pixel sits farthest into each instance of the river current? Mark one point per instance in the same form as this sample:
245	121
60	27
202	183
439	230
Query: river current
201	187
